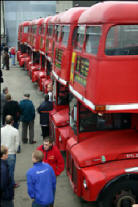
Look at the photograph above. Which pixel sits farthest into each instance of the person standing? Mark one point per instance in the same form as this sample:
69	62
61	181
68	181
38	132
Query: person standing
10	138
52	155
43	110
41	181
13	52
12	108
3	101
27	119
6	187
50	91
5	59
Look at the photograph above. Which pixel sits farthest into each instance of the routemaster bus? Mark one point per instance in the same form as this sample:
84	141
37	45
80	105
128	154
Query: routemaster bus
102	153
22	40
43	73
67	22
49	50
35	44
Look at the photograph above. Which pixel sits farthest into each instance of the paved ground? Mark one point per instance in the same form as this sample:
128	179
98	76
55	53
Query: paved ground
19	83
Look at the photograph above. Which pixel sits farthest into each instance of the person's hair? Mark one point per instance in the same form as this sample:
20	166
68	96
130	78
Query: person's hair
48	139
27	95
5	89
8	119
3	150
8	97
6	49
46	97
38	155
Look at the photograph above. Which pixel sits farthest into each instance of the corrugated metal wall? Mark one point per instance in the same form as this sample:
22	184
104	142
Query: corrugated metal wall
19	11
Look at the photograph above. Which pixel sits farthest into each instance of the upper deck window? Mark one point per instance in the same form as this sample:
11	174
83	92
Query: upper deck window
122	40
65	34
34	29
41	29
30	29
25	29
50	30
93	34
78	37
57	32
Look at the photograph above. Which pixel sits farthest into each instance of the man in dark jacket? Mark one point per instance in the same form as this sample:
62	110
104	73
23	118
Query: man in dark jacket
43	110
41	181
5	59
12	108
6	186
27	118
3	102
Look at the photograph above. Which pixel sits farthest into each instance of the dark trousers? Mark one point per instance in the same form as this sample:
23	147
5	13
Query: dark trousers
7	66
45	131
4	203
25	126
11	163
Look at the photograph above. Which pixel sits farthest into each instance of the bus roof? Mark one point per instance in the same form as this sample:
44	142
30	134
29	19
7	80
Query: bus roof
107	12
55	18
38	21
72	15
47	19
26	23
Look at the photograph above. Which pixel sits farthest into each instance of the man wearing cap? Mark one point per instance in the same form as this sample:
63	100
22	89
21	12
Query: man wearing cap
27	119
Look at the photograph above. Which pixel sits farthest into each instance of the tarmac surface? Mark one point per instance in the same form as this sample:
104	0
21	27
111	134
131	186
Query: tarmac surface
19	82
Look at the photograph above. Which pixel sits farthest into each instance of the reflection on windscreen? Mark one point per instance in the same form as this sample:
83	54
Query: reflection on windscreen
65	35
43	61
62	94
93	34
122	40
36	57
73	112
89	121
78	37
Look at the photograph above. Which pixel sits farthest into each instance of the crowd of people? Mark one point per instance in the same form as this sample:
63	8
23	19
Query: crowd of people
48	162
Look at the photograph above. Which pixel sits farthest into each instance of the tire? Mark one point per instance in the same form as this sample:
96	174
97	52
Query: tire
121	194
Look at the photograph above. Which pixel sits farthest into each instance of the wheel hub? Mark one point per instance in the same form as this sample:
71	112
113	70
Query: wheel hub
125	199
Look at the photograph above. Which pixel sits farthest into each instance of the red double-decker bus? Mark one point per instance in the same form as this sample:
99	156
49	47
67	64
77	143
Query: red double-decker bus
67	22
35	44
102	153
49	51
23	34
43	73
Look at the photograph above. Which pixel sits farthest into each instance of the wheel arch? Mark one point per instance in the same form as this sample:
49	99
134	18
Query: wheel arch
120	178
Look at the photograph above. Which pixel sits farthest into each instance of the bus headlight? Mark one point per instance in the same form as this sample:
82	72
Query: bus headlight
59	139
85	184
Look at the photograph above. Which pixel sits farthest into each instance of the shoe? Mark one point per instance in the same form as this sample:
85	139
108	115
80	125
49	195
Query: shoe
33	142
25	141
19	149
16	185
